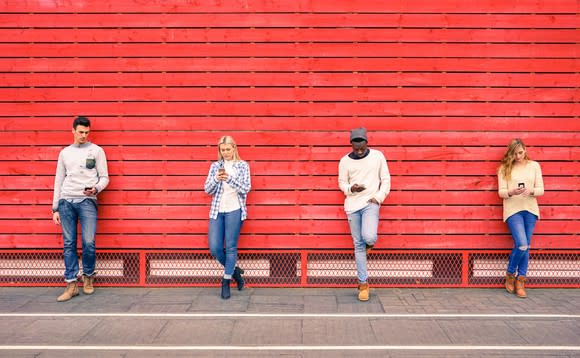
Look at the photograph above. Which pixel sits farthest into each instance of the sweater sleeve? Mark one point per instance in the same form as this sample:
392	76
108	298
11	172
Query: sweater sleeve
385	178
538	181
502	185
343	182
58	180
102	171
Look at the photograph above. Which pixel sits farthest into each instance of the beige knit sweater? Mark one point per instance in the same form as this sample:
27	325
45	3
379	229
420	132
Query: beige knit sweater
372	172
531	175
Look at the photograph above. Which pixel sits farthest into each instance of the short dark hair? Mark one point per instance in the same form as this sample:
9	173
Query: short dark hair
81	121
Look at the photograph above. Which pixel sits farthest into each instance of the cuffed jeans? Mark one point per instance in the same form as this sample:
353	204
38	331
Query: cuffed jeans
521	225
363	224
223	236
70	214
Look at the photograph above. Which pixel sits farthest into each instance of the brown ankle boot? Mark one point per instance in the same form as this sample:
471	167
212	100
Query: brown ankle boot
88	288
70	291
520	287
510	282
363	292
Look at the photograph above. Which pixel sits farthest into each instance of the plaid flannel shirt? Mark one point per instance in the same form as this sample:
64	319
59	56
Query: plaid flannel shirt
241	183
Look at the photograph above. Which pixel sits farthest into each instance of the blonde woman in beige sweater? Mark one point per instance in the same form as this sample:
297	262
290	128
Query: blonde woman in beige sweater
520	182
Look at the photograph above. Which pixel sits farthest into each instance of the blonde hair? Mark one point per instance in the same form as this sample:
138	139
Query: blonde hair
509	158
228	140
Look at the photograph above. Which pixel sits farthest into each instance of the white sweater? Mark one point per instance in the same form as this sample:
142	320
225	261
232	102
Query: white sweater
72	174
372	172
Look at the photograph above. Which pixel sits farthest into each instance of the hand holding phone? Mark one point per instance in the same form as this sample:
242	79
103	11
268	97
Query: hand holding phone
221	174
521	185
88	191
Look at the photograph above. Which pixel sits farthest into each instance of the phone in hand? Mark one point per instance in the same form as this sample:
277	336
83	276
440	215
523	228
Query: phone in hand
221	171
521	185
87	188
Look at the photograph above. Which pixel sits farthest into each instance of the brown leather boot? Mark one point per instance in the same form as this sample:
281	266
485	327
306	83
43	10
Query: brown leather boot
520	287
88	288
363	292
510	282
70	291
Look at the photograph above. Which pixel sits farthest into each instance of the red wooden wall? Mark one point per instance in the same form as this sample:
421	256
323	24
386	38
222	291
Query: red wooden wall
442	86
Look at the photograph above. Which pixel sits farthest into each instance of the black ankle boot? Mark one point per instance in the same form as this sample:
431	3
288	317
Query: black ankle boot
226	288
237	276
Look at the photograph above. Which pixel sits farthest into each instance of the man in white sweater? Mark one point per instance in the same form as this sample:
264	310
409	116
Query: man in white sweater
363	176
81	174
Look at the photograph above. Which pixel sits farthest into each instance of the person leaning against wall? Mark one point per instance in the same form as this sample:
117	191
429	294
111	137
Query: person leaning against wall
81	174
363	177
519	183
228	181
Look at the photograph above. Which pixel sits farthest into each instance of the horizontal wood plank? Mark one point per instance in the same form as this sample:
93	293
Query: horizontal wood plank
397	168
293	108
347	6
295	64
287	197
247	35
178	152
311	123
294	241
328	227
291	20
288	94
362	49
288	79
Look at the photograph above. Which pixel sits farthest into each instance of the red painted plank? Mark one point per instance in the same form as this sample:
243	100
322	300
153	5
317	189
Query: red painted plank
156	64
297	212
285	79
361	49
460	94
329	227
289	197
276	138
296	241
461	153
293	108
434	183
197	35
291	20
334	6
310	123
287	168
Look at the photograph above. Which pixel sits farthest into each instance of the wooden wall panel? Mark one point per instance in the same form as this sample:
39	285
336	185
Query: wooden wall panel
442	87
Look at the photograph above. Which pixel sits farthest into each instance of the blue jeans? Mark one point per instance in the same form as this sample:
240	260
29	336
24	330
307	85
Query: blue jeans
223	236
364	224
521	225
70	214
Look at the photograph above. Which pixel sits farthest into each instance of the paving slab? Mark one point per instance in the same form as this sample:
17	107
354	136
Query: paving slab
289	322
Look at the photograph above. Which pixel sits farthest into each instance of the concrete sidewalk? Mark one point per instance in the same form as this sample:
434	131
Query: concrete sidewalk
270	322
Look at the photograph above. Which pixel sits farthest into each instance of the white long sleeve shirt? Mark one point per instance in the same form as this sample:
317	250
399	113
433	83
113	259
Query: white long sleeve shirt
74	172
371	171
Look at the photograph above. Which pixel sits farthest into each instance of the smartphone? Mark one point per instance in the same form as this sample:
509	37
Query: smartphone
88	188
221	170
521	185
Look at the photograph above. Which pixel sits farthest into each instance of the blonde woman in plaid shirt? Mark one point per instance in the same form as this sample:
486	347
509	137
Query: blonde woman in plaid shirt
228	181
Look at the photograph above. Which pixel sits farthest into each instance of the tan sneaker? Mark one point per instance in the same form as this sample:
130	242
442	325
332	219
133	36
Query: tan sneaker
70	291
88	288
363	292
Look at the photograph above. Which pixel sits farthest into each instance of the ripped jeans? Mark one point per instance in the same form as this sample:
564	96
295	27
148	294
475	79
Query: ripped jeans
364	225
521	225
